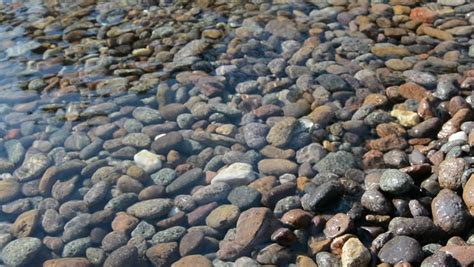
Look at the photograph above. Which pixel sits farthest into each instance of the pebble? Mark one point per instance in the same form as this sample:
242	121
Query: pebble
123	256
244	197
223	217
449	212
354	253
236	174
277	167
335	162
401	249
21	251
395	182
150	209
148	161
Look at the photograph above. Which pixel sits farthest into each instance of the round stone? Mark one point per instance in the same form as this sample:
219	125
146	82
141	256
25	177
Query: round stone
395	182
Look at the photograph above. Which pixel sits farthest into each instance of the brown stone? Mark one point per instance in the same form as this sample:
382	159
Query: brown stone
9	189
322	114
264	184
386	129
338	242
305	261
453	125
191	243
376	100
425	109
463	254
273	152
124	222
450	173
266	111
254	227
390	51
297	218
373	159
193	260
423	14
199	214
67	262
457	103
412	90
468	194
338	225
436	33
284	236
277	167
163	254
25	224
316	246
388	143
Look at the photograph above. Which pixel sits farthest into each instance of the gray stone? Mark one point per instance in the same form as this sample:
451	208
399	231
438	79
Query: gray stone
21	251
395	182
401	249
150	209
336	162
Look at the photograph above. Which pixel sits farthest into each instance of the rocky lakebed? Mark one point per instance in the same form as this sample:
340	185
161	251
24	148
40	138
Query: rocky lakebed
235	133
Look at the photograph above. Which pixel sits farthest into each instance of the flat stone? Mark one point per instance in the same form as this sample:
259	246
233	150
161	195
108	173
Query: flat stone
163	254
277	167
148	161
236	174
193	260
185	181
223	217
150	209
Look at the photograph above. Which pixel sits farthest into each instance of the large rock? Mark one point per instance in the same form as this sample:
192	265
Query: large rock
254	227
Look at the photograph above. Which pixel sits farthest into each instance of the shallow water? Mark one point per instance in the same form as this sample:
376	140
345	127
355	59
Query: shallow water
141	133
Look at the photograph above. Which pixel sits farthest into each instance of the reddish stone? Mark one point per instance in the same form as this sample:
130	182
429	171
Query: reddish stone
386	129
297	218
463	254
453	125
267	111
423	14
388	143
412	90
373	159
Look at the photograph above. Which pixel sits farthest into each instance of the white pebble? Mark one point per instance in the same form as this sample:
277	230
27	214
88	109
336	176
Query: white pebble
461	135
148	161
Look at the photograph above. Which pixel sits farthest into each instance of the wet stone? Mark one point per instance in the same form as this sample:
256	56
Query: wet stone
401	249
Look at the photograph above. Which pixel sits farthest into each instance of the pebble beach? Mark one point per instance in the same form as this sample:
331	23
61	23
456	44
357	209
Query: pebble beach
300	133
